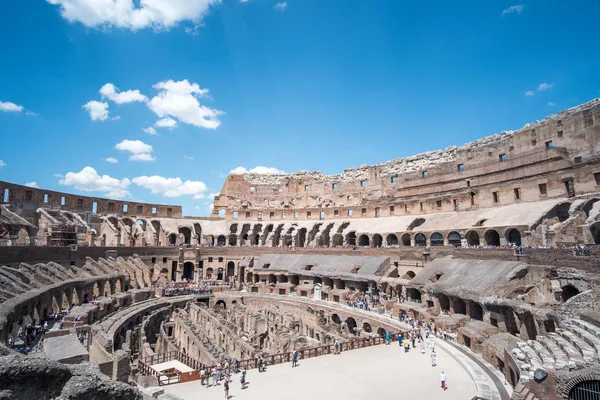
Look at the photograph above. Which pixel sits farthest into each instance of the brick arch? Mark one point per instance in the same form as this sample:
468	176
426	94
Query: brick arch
563	389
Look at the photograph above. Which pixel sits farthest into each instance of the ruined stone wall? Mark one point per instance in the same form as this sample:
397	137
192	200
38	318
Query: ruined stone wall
25	200
549	152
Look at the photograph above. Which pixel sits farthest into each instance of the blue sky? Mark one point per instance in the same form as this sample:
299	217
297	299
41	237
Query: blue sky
297	85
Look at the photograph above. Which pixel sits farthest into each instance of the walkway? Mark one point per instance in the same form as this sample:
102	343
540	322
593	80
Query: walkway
378	372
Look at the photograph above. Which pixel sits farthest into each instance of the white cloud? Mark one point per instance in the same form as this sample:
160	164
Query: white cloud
2	164
111	160
544	86
58	175
116	118
529	93
98	110
134	15
139	150
10	107
180	100
256	170
191	158
32	184
88	180
171	187
166	123
134	146
518	9
281	6
551	104
142	157
112	93
150	130
30	113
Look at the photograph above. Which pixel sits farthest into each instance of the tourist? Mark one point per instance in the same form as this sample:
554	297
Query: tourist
388	336
433	358
294	358
226	388
203	376
243	379
400	339
406	346
443	380
422	346
213	373
236	366
336	347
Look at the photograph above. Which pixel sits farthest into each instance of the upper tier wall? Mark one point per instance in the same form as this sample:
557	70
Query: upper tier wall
554	144
26	200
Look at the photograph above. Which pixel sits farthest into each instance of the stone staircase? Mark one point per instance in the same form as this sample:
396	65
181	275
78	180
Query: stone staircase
571	347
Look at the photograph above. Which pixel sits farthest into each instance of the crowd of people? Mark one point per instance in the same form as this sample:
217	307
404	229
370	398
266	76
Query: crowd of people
222	373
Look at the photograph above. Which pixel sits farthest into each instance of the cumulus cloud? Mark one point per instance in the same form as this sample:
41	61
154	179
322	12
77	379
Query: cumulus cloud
139	150
32	184
98	110
2	164
111	160
551	104
518	9
88	180
10	107
545	86
171	187
112	93
180	100
256	170
281	6
529	93
150	130
166	123
134	15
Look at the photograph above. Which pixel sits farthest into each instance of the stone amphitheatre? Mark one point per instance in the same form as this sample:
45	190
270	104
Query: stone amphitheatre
493	243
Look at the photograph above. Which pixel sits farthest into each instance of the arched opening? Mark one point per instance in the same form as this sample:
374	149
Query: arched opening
188	271
367	327
381	332
351	323
410	274
209	273
420	240
454	239
595	231
492	238
377	240
256	239
172	238
107	290
413	295
472	238
221	305
437	239
406	239
233	240
187	235
210	240
459	306
444	302
220	274
301	237
338	240
221	241
363	240
230	268
568	291
586	390
391	240
351	239
476	311
336	319
514	236
416	223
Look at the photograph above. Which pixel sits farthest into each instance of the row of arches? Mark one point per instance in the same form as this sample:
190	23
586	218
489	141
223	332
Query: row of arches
491	237
355	328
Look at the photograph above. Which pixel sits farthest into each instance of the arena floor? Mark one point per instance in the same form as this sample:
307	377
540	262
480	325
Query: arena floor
379	372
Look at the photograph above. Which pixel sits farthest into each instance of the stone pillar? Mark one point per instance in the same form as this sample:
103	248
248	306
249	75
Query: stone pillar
13	237
412	242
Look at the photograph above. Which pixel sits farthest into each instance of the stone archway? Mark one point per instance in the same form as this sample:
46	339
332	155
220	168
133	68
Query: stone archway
188	271
406	239
363	241
377	240
513	236
492	238
392	240
472	238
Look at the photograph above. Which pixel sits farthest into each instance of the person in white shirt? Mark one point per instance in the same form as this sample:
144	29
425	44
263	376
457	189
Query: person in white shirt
443	380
